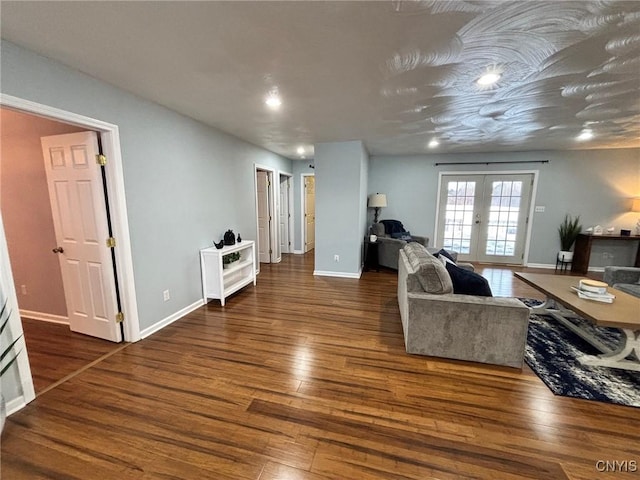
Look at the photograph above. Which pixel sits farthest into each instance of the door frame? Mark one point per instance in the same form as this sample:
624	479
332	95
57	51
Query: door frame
273	234
110	139
25	379
303	202
289	208
529	223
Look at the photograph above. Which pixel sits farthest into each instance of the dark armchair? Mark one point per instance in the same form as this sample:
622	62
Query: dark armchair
389	247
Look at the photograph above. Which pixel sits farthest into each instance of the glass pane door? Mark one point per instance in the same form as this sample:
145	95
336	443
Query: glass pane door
459	198
484	217
504	220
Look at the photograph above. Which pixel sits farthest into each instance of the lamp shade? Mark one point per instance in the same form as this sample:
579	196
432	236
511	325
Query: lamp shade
635	205
377	200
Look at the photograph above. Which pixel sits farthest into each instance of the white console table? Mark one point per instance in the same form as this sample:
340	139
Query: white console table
219	282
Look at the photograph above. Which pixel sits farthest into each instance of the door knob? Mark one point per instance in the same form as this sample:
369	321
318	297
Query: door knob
58	250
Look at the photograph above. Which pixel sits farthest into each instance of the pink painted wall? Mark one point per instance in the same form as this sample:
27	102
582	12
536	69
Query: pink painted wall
26	211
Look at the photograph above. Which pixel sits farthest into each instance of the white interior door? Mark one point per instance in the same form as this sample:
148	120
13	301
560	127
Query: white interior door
309	213
283	224
79	212
484	217
262	191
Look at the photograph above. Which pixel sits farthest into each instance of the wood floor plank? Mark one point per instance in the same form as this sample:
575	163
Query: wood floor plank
55	351
304	377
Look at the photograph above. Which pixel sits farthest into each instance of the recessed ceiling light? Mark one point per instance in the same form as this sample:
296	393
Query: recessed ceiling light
586	134
434	143
488	79
300	150
273	101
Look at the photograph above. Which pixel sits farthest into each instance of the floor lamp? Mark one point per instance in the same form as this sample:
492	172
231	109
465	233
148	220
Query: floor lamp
377	201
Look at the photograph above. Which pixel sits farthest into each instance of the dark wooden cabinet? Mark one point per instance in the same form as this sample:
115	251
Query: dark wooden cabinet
371	256
582	250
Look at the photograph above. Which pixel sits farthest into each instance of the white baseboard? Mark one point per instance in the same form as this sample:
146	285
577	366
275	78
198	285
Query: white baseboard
45	317
298	252
170	319
16	404
552	266
322	273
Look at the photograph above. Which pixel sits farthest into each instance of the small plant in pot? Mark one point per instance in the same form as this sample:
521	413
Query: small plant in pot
569	230
230	258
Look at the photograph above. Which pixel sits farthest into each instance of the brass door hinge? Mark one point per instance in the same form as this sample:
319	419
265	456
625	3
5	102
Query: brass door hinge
119	317
101	160
111	242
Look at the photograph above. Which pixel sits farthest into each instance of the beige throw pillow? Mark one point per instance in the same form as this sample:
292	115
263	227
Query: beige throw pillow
429	271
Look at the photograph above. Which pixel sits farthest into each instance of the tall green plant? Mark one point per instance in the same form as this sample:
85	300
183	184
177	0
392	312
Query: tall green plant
569	230
5	315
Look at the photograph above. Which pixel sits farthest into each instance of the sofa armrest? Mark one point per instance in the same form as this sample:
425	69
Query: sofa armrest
422	240
388	251
613	275
465	327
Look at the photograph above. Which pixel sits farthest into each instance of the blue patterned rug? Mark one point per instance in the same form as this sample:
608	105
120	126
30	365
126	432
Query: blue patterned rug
552	352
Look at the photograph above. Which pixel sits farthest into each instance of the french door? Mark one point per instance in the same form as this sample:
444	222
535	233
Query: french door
484	217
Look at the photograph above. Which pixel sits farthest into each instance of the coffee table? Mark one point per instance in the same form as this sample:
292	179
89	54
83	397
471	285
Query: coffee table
562	302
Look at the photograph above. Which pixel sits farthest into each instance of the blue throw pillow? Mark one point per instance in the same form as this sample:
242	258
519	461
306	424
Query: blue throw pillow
406	236
446	254
467	282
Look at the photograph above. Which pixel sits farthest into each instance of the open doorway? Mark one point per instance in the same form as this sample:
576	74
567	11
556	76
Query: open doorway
285	217
80	348
308	212
266	217
54	351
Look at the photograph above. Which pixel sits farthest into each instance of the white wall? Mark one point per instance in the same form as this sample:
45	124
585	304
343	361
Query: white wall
185	183
595	184
340	207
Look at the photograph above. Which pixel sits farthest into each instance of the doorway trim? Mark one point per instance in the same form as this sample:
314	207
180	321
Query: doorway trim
534	191
303	202
110	138
273	237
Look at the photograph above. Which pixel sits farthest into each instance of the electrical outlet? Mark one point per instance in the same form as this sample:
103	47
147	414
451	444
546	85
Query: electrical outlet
539	209
166	295
23	289
336	258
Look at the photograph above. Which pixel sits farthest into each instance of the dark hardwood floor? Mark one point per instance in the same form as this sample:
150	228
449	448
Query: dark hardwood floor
305	377
56	352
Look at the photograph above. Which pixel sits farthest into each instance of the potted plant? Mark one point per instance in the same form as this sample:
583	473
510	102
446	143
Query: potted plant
230	258
568	231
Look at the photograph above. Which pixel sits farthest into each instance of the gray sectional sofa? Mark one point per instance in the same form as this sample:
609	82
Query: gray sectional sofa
625	279
440	323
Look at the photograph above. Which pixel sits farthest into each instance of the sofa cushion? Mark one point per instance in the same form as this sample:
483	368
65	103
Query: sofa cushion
429	271
630	288
467	282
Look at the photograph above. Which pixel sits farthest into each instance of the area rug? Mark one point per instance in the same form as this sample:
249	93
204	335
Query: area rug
552	352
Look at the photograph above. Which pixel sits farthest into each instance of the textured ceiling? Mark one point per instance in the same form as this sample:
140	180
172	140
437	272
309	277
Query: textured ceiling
394	74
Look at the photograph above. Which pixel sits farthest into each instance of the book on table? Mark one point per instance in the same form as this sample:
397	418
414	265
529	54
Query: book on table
605	297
